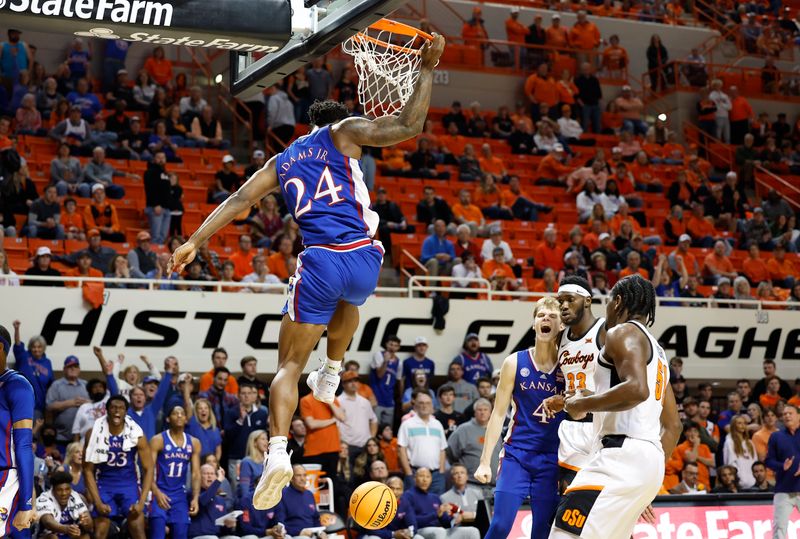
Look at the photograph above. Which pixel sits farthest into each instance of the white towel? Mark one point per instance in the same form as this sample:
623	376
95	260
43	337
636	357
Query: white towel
97	450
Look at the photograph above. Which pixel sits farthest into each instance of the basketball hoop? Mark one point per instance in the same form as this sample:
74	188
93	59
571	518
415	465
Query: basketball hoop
387	59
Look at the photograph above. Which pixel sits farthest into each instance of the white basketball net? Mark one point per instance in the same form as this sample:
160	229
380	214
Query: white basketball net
387	64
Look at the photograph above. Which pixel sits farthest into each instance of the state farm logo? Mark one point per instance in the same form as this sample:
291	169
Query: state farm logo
102	33
189	41
121	11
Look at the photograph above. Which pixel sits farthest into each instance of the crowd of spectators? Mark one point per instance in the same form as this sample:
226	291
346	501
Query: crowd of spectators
394	425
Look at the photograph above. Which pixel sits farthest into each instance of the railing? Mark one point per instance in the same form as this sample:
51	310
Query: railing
694	135
234	105
676	74
415	285
766	180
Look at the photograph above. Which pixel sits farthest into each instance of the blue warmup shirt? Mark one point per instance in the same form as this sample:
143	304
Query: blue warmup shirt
210	438
254	521
475	367
403	519
297	510
325	191
39	373
237	430
425	506
433	246
383	387
16	452
147	419
530	428
211	507
781	446
249	474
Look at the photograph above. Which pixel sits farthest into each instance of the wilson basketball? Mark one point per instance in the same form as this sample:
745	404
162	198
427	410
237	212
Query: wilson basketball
373	505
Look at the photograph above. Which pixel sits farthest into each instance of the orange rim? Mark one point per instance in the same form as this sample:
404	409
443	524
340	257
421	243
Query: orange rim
387	25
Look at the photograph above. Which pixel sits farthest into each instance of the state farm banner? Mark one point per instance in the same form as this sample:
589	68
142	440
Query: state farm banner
711	522
240	25
718	343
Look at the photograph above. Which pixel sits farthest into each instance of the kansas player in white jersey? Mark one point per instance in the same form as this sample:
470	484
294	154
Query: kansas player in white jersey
175	454
320	179
528	459
578	352
16	452
639	424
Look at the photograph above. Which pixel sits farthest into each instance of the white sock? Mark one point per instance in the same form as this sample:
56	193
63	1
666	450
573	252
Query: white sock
277	444
333	366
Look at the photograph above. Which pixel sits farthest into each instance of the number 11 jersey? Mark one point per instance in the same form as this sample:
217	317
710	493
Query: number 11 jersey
325	191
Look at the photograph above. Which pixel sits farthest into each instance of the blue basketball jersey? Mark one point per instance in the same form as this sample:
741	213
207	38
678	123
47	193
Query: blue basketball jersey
172	464
16	404
530	428
120	468
325	191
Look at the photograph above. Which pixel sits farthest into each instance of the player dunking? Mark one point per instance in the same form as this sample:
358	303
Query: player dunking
16	452
639	424
528	465
577	358
174	452
320	179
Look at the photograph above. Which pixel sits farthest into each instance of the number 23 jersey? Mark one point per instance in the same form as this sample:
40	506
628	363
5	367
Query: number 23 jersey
530	428
325	191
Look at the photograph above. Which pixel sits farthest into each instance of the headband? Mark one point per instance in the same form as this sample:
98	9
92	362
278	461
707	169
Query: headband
574	289
5	345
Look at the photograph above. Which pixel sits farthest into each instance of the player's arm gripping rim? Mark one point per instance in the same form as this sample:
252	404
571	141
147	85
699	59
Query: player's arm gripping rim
351	134
348	136
508	374
627	348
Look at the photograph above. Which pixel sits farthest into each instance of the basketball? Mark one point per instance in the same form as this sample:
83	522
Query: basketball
373	505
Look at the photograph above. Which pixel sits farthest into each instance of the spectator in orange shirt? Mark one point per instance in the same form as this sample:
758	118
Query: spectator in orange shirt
717	264
674	12
219	358
630	108
490	200
645	175
521	203
243	258
567	91
782	271
159	68
615	59
547	254
490	164
322	443
553	168
516	32
754	267
740	115
498	272
83	269
103	216
691	451
700	227
772	396
673	150
689	260
584	36
473	32
556	35
280	261
467	213
72	221
541	88
634	261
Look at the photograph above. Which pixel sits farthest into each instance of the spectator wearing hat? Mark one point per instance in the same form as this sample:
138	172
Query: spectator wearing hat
556	35
476	364
158	197
98	171
418	360
41	268
135	140
682	251
141	259
103	216
15	56
473	32
516	32
100	255
258	160
226	181
44	217
64	397
83	269
630	109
